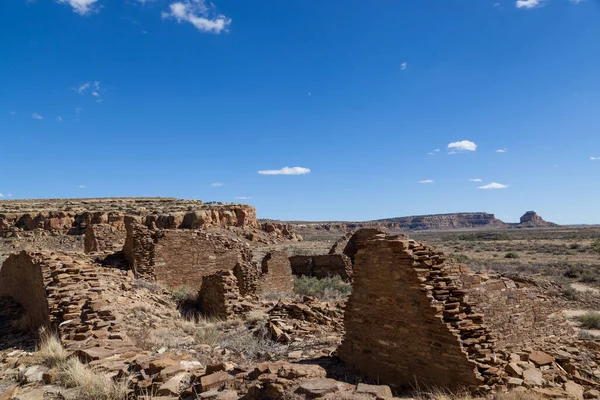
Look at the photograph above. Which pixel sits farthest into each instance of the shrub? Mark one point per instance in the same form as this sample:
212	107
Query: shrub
50	349
326	288
574	246
460	258
589	321
512	254
92	385
569	292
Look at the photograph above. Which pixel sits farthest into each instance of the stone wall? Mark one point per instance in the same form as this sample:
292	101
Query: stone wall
406	323
100	238
276	274
21	279
181	257
219	295
62	294
322	266
520	313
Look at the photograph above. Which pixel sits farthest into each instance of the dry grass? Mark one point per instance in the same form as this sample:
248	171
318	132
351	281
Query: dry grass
91	384
512	395
50	350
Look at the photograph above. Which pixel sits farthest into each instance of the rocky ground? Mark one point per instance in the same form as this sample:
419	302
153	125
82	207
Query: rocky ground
278	348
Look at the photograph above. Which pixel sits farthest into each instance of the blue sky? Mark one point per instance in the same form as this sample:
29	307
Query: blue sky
388	108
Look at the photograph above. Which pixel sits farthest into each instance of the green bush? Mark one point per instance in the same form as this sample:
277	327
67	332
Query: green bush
569	292
326	288
589	321
512	254
460	258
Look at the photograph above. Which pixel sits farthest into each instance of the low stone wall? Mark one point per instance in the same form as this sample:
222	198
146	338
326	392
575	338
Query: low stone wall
219	295
101	238
62	294
181	257
322	266
276	274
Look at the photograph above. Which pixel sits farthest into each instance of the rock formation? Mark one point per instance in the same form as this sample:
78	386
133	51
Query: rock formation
531	220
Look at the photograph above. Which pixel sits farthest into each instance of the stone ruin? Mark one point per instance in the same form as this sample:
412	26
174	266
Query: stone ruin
322	266
219	295
182	257
276	274
415	319
104	238
61	294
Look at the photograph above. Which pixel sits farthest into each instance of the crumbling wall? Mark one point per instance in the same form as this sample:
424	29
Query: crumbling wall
21	279
322	266
520	313
276	274
408	325
181	257
219	295
101	238
61	293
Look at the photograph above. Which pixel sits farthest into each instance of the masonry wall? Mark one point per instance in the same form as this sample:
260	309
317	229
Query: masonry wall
21	279
406	324
520	313
101	238
276	274
322	266
219	295
181	257
63	294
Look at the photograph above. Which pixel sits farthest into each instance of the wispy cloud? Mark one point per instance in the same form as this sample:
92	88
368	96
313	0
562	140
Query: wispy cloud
204	17
59	118
575	1
216	184
12	112
594	158
81	187
404	65
1	195
501	150
463	145
528	3
79	110
82	88
493	185
285	171
36	116
243	198
81	7
427	181
475	180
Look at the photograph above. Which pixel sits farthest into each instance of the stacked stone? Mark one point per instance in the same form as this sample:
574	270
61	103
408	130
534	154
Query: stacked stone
219	296
72	298
322	266
139	249
404	323
101	238
441	281
248	276
276	274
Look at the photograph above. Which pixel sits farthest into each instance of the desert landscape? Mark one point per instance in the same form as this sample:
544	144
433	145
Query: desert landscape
160	298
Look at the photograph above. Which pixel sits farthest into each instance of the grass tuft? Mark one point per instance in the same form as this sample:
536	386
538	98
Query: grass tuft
50	349
92	385
326	288
589	321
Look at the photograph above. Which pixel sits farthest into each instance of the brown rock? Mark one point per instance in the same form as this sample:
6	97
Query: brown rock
319	387
540	358
574	391
160	364
380	392
213	381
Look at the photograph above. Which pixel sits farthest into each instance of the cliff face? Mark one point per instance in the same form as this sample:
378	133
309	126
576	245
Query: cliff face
531	220
73	216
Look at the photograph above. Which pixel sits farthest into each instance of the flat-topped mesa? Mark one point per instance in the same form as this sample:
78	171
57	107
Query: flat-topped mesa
73	216
415	319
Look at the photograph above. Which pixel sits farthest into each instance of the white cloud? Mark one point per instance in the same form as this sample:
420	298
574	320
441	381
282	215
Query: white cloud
403	65
79	110
216	184
81	7
1	195
243	198
81	187
81	89
9	195
463	145
59	118
426	181
493	185
196	12
36	116
437	150
528	3
594	158
501	150
475	180
285	171
575	1
95	94
430	154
